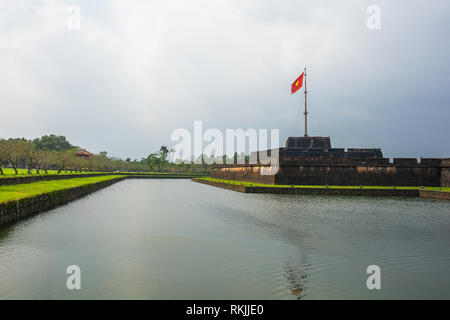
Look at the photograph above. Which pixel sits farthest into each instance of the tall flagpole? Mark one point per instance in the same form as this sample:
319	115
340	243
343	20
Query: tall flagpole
306	110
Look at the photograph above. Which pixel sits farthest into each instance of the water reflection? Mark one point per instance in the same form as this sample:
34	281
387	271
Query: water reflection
161	239
297	277
4	232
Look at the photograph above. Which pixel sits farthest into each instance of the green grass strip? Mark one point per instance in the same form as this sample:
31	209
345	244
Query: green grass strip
10	173
251	184
20	191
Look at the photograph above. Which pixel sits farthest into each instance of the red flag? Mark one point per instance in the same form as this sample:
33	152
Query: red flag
297	84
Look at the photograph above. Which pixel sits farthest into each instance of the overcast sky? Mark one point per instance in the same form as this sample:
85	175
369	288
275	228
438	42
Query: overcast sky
137	70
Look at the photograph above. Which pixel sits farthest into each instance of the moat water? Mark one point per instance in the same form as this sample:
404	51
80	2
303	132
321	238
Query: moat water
173	239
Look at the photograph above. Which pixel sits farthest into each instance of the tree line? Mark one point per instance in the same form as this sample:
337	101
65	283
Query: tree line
52	152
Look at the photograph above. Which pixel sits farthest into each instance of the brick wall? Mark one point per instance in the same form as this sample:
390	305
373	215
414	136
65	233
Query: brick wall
344	171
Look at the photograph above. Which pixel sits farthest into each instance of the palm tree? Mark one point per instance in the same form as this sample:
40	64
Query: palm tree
163	152
172	152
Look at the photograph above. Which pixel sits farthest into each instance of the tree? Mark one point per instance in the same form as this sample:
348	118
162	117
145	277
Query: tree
154	160
48	152
16	151
46	159
31	157
52	143
64	160
3	154
163	152
172	152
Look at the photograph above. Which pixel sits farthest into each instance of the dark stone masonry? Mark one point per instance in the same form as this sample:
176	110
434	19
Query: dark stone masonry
312	161
441	195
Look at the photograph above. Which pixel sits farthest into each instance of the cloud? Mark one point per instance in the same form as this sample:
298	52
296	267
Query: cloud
136	71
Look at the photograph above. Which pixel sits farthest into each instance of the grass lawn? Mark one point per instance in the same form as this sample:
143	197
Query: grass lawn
20	191
251	184
9	173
